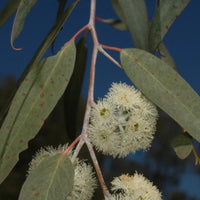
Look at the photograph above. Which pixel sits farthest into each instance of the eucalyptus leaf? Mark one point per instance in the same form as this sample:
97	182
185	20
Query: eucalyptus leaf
8	10
118	24
33	102
42	49
51	179
23	10
136	19
182	145
166	13
166	57
118	10
73	92
165	87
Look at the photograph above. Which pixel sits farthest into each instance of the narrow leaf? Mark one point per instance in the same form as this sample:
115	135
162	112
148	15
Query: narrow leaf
118	10
166	57
42	49
118	24
166	13
51	179
8	10
73	92
165	87
33	102
135	16
182	145
24	8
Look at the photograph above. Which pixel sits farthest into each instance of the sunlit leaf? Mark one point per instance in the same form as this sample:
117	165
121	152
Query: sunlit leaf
33	102
43	48
51	179
8	10
182	145
165	87
166	13
23	10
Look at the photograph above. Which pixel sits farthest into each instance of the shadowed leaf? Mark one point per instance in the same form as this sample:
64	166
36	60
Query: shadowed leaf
8	10
24	8
118	24
165	87
33	102
73	92
182	145
118	9
136	19
166	13
166	57
51	179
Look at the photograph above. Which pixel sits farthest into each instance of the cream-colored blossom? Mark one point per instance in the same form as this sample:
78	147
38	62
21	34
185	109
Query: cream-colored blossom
135	187
103	113
105	138
123	122
124	96
84	182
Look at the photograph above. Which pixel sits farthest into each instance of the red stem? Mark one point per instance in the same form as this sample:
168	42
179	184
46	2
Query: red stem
111	48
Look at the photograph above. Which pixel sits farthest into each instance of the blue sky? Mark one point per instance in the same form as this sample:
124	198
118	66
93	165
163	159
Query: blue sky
182	40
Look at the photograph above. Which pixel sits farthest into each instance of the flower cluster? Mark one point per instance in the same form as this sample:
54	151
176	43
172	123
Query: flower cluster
135	187
123	122
84	180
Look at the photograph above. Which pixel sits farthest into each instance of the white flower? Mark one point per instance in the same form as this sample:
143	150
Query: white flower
124	96
103	113
123	122
135	187
84	182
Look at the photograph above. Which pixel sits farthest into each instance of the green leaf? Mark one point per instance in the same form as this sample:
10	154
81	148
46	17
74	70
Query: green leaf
33	102
8	10
73	92
166	57
24	8
51	179
42	49
182	145
135	16
166	13
118	10
118	24
165	87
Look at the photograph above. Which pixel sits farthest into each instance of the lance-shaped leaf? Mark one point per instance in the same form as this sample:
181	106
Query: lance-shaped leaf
8	10
73	91
51	179
165	87
33	102
43	48
118	24
166	13
182	145
166	57
24	8
136	19
118	9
